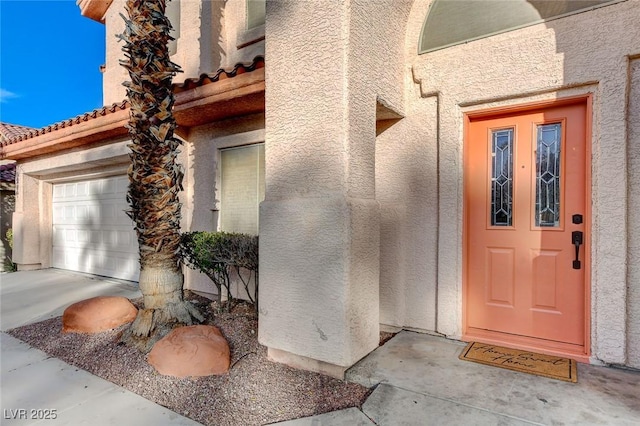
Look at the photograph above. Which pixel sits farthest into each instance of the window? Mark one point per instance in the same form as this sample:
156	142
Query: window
452	22
548	174
502	177
242	188
256	11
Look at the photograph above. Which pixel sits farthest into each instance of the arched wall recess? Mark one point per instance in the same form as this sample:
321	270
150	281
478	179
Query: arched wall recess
451	22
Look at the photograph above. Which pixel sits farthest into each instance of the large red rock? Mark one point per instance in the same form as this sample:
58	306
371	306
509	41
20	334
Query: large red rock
196	350
98	314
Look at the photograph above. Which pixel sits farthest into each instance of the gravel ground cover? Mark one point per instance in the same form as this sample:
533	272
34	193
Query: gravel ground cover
256	391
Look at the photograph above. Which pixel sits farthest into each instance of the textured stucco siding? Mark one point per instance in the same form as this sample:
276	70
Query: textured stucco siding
316	116
212	36
406	188
324	304
237	44
114	74
26	242
319	224
304	220
568	56
633	296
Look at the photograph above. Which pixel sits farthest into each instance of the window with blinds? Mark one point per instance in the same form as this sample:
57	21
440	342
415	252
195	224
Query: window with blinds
242	188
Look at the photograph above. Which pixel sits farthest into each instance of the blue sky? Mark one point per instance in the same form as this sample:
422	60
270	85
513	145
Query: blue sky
50	57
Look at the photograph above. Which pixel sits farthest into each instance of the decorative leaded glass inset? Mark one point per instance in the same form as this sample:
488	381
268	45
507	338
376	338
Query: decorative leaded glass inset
502	177
549	142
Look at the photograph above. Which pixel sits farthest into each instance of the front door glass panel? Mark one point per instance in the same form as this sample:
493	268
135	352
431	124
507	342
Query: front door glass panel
502	177
548	147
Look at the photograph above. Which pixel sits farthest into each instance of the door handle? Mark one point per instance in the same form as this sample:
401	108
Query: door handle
576	239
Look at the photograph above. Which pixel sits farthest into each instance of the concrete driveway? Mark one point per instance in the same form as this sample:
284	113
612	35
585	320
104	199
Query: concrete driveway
32	296
34	386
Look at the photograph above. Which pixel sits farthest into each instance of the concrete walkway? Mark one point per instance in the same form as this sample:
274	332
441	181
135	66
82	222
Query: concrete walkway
422	381
419	379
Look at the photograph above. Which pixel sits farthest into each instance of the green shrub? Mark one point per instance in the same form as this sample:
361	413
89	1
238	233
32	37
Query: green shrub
9	266
219	254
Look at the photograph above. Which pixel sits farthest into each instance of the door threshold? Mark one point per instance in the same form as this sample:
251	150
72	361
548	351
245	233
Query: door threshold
548	347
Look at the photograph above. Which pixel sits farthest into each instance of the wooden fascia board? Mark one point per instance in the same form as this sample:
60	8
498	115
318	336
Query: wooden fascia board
94	130
240	95
94	9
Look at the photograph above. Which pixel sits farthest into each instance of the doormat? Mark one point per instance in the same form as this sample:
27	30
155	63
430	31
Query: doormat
522	361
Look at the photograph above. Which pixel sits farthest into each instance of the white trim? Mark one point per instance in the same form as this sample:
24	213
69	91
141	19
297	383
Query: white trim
239	139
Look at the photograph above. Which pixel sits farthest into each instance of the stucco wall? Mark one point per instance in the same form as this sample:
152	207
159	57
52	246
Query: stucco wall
305	236
568	56
407	190
633	296
212	36
114	73
26	242
319	224
240	44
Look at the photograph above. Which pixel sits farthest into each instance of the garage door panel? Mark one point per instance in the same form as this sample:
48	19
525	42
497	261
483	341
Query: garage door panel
91	230
106	239
91	212
114	264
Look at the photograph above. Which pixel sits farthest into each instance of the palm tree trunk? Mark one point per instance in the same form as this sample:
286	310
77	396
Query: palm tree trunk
155	177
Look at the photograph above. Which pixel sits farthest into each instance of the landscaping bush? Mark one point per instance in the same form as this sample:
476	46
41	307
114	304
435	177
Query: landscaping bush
9	266
222	256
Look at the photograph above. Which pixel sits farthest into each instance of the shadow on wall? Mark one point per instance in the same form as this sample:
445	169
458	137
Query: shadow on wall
212	32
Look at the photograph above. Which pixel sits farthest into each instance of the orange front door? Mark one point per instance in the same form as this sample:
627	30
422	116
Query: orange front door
526	245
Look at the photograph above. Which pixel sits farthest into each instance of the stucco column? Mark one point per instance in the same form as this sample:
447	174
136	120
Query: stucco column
26	220
319	223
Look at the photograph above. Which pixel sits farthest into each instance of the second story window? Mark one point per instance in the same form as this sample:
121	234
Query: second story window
256	11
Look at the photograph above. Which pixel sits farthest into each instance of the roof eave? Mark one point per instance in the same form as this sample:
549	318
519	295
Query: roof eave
232	97
94	9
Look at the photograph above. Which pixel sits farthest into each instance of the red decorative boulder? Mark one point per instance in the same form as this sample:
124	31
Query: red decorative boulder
196	350
98	314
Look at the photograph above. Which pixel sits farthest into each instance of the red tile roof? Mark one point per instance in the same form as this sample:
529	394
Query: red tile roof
221	74
11	131
8	172
186	85
32	133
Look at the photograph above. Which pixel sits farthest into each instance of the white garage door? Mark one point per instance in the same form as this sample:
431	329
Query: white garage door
91	231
